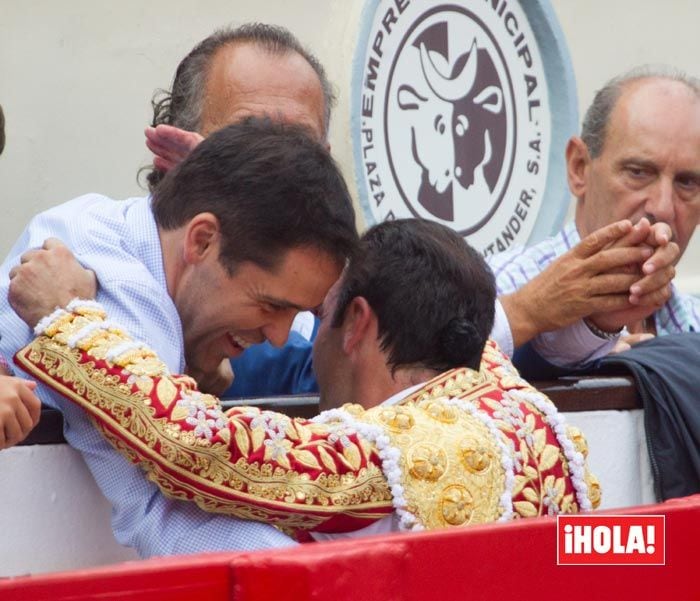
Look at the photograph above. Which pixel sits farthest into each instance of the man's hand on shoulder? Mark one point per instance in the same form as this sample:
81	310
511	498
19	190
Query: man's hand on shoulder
170	145
46	278
20	409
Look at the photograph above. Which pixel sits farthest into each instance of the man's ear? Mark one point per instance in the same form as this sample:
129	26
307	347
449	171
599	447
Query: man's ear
202	237
578	162
359	324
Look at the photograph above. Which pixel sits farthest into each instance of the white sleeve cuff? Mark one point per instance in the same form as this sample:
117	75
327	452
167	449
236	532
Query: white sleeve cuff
501	330
572	346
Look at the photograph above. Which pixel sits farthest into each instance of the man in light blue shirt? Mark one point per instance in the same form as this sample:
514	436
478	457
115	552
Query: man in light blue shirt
214	263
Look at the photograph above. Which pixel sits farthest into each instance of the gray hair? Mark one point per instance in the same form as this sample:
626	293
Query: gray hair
595	123
182	105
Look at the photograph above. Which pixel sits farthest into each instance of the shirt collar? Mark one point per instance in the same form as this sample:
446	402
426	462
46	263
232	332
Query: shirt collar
399	396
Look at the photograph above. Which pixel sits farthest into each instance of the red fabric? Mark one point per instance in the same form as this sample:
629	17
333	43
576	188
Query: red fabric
496	561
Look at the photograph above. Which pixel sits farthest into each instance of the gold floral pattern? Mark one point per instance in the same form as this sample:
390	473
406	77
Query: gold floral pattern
466	440
396	419
476	457
427	462
457	505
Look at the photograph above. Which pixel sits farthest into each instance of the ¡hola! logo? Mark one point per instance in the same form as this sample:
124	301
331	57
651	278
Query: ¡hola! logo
611	540
452	118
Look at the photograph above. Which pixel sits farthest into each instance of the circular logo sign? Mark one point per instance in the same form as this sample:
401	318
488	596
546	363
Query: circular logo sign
452	119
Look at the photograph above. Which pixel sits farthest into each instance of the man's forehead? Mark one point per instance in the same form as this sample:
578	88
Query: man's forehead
653	101
246	80
650	110
301	278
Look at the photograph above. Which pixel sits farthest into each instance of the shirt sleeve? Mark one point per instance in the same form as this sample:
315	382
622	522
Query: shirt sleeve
693	313
572	346
501	330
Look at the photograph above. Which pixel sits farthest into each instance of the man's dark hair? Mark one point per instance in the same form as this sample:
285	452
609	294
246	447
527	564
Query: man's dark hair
271	187
432	293
182	105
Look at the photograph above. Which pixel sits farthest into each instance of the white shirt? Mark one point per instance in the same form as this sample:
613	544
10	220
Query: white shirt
119	241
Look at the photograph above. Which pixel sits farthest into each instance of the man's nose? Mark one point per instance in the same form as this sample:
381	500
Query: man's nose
277	331
660	206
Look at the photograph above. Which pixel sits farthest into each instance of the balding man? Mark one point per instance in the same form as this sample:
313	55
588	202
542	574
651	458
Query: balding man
253	70
638	158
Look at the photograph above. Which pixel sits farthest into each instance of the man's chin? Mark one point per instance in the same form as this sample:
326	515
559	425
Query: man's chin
198	369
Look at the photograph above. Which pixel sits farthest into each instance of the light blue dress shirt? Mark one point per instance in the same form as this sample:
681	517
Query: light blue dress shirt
119	241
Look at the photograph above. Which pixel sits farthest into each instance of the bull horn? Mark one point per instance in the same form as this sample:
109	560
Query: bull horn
449	89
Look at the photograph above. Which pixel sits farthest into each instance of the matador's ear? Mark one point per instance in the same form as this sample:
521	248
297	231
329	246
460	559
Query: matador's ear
359	325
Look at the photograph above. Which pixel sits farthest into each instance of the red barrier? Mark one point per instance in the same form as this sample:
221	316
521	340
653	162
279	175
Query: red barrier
486	562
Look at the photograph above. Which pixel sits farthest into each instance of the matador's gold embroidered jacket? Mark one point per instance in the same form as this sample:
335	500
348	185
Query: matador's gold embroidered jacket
468	447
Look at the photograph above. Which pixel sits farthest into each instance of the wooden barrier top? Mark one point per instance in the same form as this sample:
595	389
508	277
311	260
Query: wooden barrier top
568	394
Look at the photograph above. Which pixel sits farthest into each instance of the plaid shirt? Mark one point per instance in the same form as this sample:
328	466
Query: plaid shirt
513	269
119	241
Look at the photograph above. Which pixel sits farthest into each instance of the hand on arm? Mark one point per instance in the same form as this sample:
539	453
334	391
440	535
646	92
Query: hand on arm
47	278
170	145
20	409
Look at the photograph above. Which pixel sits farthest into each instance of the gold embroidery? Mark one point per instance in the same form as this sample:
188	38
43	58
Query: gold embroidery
202	460
260	465
432	461
426	462
476	457
457	505
396	419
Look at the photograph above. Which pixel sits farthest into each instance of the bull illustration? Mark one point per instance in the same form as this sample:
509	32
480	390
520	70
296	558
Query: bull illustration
458	131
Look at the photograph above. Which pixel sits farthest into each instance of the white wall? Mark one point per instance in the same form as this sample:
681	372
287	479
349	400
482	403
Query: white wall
76	78
53	517
52	514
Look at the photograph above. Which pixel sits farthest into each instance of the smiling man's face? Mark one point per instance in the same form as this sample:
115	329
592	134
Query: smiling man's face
223	314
